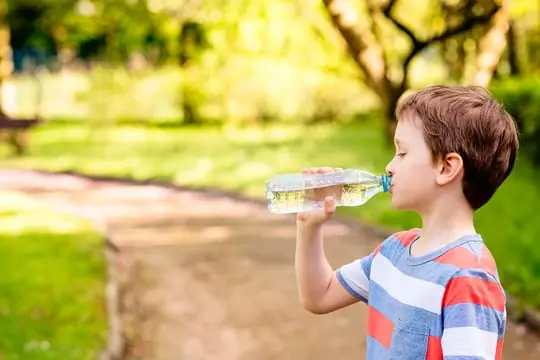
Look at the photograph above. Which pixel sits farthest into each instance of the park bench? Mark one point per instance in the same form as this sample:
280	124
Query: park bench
14	131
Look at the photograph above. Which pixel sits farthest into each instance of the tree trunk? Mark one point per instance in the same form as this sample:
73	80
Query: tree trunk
390	125
453	48
492	46
390	105
362	45
454	55
367	52
6	64
513	57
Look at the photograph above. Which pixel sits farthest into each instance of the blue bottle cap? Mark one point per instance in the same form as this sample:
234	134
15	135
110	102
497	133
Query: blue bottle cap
386	181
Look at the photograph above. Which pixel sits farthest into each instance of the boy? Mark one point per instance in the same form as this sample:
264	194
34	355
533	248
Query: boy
434	292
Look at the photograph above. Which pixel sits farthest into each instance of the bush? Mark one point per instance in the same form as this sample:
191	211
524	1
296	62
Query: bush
521	97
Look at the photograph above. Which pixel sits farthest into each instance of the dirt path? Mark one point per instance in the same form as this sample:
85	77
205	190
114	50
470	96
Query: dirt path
209	276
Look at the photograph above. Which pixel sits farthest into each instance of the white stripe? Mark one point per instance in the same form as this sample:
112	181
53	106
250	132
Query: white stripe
469	341
404	288
354	275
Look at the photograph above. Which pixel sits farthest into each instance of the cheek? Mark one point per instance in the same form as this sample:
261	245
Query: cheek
416	173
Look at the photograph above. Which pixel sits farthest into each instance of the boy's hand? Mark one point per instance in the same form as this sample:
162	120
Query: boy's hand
327	194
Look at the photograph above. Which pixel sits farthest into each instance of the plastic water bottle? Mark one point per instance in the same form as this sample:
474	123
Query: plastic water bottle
293	193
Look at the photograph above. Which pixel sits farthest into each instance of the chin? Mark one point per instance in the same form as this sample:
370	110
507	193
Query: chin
395	204
399	205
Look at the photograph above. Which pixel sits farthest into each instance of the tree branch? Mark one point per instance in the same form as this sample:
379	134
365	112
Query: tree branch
387	11
466	25
492	46
326	38
375	14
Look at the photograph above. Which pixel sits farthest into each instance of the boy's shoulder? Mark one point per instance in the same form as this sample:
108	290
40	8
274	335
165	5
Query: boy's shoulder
471	255
399	240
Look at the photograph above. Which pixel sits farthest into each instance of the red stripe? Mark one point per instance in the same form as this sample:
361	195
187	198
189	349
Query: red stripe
434	348
463	258
377	249
499	350
488	262
407	237
474	291
380	327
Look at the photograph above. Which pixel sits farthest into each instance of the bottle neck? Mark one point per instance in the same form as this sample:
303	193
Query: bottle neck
386	181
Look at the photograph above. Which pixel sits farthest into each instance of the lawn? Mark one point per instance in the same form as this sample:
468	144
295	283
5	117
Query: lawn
241	160
53	283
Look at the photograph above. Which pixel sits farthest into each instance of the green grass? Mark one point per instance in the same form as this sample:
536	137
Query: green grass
241	160
52	297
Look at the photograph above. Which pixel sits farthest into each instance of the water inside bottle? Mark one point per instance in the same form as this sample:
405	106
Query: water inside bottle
293	201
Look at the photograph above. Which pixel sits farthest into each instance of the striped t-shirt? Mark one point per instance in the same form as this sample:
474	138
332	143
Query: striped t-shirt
447	304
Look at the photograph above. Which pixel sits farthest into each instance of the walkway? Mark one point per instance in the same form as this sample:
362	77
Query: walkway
210	276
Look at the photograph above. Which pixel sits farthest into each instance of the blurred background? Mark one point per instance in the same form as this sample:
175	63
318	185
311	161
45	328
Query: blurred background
223	95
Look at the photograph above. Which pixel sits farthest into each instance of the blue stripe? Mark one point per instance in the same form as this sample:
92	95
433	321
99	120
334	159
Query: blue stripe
482	317
366	265
476	273
432	271
375	350
393	244
349	288
393	309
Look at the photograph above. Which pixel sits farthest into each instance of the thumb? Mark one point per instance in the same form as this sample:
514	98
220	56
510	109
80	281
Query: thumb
329	207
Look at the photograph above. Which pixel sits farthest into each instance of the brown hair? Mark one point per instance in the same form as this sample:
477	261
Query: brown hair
468	121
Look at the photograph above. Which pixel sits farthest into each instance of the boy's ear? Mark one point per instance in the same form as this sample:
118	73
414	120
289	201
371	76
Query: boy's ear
451	168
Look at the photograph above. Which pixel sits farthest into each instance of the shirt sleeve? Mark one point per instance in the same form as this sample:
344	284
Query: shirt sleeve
355	276
474	317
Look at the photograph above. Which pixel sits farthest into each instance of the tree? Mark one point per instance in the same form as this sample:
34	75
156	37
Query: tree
492	46
6	63
371	54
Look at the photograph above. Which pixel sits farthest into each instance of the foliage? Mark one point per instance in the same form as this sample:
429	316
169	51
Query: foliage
53	270
91	28
521	97
244	90
242	159
120	29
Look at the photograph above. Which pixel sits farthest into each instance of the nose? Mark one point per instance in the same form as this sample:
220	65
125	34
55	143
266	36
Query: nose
390	167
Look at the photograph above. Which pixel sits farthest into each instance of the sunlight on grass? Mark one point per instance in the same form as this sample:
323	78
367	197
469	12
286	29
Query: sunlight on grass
30	221
27	215
257	135
53	282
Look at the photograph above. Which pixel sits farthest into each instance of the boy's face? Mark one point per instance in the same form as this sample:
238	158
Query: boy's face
412	168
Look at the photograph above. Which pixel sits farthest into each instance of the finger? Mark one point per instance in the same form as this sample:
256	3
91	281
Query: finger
323	170
329	206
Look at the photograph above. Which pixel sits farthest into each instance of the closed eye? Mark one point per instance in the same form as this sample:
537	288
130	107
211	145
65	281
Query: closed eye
400	154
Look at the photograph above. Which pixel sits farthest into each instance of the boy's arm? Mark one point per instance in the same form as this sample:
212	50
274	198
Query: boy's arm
474	317
321	289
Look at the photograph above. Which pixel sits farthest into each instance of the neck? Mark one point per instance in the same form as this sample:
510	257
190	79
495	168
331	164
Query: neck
447	221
